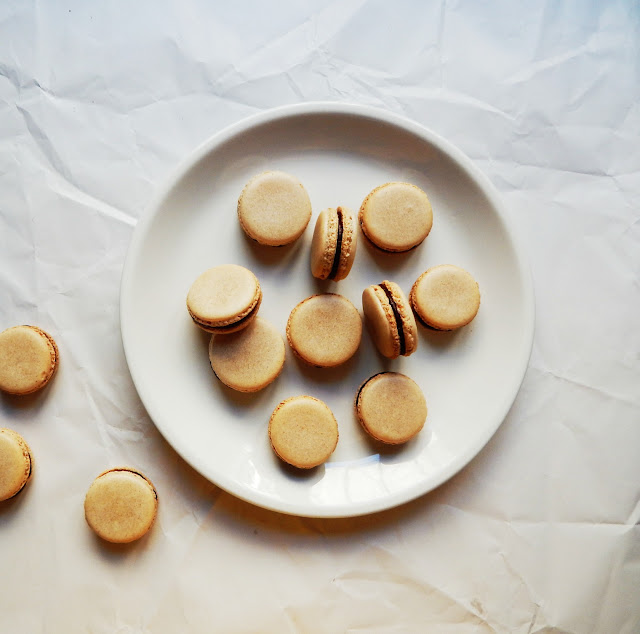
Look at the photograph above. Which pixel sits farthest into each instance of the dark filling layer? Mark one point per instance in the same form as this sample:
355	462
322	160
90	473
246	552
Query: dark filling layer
426	325
221	329
336	257
398	317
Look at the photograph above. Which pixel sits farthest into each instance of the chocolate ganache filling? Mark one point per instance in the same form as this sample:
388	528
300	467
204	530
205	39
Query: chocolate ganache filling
398	317
336	257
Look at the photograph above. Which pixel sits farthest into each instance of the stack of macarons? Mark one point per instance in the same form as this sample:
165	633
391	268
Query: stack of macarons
324	330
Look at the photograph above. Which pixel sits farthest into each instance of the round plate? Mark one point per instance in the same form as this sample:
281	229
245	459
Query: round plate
340	153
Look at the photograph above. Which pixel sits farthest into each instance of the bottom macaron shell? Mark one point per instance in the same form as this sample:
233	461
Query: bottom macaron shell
16	464
121	505
391	407
303	432
248	360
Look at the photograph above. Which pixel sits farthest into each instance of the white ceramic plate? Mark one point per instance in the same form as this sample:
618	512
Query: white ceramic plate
339	152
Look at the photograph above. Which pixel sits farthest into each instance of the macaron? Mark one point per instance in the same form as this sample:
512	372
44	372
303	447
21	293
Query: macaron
390	319
224	299
28	359
445	297
324	330
274	208
121	505
334	243
303	431
396	217
16	463
391	407
250	359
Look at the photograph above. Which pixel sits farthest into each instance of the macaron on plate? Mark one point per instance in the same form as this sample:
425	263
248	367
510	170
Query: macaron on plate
205	217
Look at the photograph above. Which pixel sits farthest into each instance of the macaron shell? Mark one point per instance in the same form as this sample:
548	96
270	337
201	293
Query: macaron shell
15	463
445	297
381	321
248	360
303	431
391	407
323	243
221	297
121	505
324	330
349	243
28	359
274	208
396	217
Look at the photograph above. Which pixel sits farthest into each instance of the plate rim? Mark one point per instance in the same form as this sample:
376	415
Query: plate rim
344	109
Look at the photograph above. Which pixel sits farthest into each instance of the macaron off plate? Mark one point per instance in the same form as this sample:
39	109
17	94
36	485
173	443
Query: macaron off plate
28	359
16	463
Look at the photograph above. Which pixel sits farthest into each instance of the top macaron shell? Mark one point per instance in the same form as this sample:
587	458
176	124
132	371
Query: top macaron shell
28	359
224	298
396	217
334	244
121	505
445	297
324	330
274	208
390	319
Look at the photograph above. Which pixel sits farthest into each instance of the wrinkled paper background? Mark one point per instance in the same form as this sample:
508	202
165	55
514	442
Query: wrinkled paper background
99	101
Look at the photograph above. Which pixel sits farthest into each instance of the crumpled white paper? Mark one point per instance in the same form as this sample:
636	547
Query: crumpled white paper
98	103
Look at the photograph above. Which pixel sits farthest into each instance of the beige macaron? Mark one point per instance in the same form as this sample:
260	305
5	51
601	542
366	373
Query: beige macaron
28	359
390	319
303	431
396	217
391	407
224	299
250	359
121	505
334	244
324	330
274	208
16	463
445	297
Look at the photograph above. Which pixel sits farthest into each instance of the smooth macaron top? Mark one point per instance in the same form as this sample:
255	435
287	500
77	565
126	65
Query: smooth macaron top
250	359
324	330
396	217
28	359
391	407
274	208
390	319
224	298
445	297
334	244
121	505
15	463
303	431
